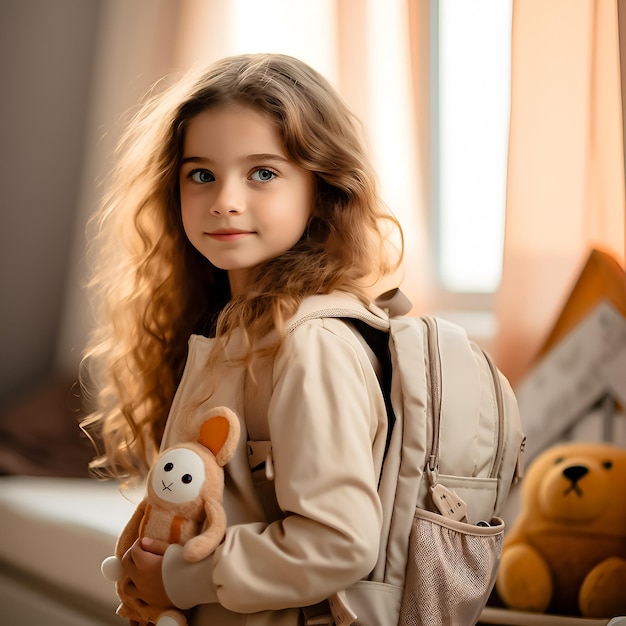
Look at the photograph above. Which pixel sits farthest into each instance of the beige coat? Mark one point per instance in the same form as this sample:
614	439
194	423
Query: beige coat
327	425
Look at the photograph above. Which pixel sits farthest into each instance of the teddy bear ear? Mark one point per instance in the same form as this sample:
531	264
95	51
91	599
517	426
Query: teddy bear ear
219	433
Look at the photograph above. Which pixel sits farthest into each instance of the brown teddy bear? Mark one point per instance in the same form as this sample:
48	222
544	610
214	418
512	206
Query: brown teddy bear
566	551
183	504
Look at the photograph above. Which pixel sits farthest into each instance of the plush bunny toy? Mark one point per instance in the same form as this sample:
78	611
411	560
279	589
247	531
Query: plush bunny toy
183	504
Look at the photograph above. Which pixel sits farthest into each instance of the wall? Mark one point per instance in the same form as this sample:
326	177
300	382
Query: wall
46	52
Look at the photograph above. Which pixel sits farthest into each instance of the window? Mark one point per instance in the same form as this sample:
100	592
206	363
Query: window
471	52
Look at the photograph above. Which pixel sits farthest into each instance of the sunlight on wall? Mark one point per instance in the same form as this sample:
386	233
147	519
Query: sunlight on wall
304	29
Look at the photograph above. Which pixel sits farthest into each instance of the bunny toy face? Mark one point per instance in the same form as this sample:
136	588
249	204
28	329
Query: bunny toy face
178	476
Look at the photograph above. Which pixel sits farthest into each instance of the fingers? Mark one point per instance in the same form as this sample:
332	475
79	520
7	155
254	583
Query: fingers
142	563
142	568
131	570
154	546
129	588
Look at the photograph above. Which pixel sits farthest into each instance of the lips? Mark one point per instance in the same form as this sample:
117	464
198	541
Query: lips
229	235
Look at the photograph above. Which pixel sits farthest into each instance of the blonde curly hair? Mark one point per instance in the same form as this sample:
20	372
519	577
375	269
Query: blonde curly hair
154	288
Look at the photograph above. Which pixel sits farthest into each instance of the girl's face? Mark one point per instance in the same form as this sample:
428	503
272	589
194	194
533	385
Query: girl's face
242	200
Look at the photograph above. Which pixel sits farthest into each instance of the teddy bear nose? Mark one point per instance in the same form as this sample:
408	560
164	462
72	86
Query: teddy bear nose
575	472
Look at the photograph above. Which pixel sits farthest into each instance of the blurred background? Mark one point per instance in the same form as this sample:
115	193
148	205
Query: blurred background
496	127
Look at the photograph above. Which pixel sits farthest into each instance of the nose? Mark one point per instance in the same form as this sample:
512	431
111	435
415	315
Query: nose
229	199
575	472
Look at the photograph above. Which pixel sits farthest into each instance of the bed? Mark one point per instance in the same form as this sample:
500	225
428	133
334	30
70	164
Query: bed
55	533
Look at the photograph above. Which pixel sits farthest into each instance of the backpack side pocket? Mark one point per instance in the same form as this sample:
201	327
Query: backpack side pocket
451	570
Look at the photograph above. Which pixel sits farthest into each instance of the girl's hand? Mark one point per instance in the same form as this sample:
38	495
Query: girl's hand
142	568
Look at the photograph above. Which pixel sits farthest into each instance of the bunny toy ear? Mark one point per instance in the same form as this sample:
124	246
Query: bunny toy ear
220	433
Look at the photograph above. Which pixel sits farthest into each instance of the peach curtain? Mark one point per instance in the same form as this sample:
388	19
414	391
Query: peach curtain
566	164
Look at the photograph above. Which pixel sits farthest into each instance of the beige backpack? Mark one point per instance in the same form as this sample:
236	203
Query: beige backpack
455	448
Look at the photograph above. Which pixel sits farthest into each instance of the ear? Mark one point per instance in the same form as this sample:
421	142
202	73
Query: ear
220	433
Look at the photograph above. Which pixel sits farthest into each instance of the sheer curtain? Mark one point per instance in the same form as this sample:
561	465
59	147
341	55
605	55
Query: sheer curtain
373	51
566	164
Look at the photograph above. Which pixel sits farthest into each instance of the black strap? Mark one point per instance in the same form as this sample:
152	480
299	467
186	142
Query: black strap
378	341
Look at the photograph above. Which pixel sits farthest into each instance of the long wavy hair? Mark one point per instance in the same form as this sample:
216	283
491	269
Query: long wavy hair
153	288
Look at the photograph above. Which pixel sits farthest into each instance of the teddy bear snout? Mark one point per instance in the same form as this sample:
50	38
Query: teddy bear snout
574	473
166	487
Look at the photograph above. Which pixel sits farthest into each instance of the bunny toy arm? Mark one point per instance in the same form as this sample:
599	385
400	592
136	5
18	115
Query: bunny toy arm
199	547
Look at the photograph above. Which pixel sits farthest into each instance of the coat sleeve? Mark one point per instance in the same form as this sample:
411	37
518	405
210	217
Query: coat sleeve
327	425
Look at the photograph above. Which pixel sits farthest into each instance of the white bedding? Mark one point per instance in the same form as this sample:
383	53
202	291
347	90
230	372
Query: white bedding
55	533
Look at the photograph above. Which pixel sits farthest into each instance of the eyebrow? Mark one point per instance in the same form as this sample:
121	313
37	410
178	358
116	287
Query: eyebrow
251	157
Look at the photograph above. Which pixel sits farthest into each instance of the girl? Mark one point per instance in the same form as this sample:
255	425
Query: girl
239	194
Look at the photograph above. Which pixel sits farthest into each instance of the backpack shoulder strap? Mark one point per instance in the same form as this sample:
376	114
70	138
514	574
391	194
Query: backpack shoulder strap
371	324
338	305
392	303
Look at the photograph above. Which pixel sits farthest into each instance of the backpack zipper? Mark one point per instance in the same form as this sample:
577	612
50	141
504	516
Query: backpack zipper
445	500
434	366
434	363
497	461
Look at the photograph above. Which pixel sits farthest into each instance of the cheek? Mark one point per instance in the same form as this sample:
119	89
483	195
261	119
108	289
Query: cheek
287	226
298	211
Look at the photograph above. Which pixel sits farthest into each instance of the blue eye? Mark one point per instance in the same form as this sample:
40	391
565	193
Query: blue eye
187	478
201	176
263	175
